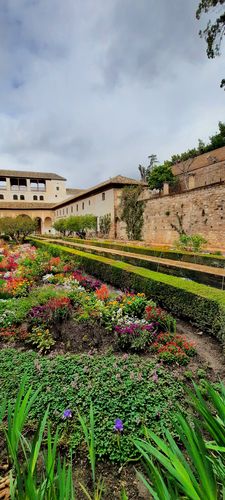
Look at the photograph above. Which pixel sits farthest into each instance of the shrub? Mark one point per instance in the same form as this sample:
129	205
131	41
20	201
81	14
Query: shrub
173	349
203	305
191	243
134	337
41	338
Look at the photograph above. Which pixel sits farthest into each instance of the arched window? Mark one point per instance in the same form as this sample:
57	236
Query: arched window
1	197
15	197
22	197
41	198
35	197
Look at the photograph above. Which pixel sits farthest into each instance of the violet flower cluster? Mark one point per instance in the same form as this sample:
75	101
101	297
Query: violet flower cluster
134	329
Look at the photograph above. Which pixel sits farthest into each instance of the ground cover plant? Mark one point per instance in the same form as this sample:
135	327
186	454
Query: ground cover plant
197	472
93	353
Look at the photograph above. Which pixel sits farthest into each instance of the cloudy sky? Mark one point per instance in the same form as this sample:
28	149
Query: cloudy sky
90	88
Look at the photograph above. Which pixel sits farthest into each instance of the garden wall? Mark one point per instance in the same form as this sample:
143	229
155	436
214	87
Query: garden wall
202	210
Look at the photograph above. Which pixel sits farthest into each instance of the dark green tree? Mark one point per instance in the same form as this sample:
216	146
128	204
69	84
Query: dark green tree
215	30
159	175
132	211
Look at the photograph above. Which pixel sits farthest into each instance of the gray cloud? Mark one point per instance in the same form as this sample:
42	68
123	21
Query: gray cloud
91	88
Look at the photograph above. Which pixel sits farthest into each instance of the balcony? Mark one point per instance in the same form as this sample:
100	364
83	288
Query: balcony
18	188
38	188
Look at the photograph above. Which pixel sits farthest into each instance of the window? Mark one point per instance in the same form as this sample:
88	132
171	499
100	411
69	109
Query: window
77	208
1	197
22	197
63	211
103	196
35	197
37	185
18	184
2	182
57	188
89	202
41	198
71	209
56	195
83	205
67	210
15	197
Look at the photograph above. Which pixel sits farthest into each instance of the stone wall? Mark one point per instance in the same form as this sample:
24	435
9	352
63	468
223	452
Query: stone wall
202	209
208	168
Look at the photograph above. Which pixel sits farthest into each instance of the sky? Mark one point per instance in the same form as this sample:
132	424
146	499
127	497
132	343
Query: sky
90	88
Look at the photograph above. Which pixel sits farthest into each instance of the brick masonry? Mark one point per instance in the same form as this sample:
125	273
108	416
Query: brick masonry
202	209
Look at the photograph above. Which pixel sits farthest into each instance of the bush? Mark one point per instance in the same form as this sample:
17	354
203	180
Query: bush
202	305
191	243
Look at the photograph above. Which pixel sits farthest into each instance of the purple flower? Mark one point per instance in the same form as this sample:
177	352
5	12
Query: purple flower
67	414
118	425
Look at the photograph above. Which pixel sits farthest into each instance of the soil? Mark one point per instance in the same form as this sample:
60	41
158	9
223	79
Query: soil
81	337
210	353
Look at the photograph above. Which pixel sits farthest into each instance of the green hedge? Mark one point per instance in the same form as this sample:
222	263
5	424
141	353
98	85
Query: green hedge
201	305
196	258
200	276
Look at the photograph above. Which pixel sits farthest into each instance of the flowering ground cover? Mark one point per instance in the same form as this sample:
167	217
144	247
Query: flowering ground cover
81	342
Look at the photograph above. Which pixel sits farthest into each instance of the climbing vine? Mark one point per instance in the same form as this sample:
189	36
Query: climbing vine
132	211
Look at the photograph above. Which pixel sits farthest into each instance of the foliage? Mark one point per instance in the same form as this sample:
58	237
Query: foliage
214	31
41	338
105	224
159	175
135	337
75	223
197	471
203	305
17	228
215	141
118	387
191	243
173	348
54	478
214	260
132	210
145	171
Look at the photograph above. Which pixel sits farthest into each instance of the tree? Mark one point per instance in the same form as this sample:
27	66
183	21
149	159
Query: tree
159	175
132	211
215	30
60	226
105	224
75	223
145	171
17	228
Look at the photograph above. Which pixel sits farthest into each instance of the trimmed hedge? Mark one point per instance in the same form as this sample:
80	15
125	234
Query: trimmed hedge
201	305
195	258
201	276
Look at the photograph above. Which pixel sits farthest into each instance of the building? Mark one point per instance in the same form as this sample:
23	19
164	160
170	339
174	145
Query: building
98	200
31	193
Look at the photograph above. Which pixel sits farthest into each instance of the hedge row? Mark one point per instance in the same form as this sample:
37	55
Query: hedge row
200	276
201	305
196	258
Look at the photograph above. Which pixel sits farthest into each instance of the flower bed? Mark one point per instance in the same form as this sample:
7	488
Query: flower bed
131	321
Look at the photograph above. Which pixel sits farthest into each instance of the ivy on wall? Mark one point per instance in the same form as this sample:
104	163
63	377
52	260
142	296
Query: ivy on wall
132	211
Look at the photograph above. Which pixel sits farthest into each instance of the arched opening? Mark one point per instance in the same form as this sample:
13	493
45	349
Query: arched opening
47	225
38	220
